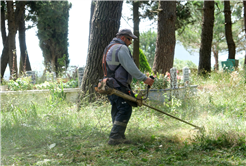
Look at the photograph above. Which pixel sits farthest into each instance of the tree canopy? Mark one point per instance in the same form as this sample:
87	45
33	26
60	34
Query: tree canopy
183	15
52	24
148	45
191	38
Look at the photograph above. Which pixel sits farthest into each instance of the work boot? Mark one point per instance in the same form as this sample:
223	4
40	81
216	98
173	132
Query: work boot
118	130
123	133
115	141
118	141
126	141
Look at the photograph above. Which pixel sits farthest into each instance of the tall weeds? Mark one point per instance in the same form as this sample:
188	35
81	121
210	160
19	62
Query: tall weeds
219	106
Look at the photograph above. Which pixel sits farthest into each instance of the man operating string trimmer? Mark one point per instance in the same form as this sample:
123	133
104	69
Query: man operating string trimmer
119	67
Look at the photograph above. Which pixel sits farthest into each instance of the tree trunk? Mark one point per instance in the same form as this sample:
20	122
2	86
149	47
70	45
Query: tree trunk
4	57
24	59
206	38
216	58
11	41
105	24
53	60
5	53
244	6
93	4
53	65
3	28
165	45
136	21
228	30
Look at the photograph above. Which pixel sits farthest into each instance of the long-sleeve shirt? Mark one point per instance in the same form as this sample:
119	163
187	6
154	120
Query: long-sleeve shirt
120	54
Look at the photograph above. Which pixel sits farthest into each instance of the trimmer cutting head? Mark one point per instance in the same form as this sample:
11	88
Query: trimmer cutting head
200	129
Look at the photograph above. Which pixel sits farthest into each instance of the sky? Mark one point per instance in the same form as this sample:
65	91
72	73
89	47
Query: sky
78	38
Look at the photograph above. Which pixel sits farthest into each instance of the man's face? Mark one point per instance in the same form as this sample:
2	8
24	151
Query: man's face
127	40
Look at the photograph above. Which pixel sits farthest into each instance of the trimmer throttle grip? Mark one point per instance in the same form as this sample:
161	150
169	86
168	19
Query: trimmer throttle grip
151	78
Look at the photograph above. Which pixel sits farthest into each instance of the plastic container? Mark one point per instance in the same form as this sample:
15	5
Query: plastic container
229	65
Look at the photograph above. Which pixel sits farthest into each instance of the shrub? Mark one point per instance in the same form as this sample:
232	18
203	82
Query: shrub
144	64
161	81
20	84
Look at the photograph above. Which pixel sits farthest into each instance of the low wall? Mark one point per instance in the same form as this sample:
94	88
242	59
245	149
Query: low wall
166	94
9	98
37	96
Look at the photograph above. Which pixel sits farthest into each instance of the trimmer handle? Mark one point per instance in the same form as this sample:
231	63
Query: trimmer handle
151	78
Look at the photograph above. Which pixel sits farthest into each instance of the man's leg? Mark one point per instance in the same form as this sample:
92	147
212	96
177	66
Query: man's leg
113	112
124	111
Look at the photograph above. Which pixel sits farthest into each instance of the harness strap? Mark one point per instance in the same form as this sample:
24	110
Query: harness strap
104	63
115	51
113	62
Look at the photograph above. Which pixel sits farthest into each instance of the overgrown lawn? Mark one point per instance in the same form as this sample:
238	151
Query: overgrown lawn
55	133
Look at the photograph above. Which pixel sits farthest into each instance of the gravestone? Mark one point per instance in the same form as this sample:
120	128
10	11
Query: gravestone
80	75
173	74
174	82
32	75
186	75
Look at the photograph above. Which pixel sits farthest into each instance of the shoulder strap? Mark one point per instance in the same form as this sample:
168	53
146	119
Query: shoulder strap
105	66
104	63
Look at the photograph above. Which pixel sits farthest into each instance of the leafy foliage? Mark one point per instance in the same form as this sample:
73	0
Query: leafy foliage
180	64
161	81
3	82
191	36
148	45
144	65
52	24
184	16
22	83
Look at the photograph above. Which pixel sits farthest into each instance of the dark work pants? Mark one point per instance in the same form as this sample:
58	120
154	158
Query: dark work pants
121	113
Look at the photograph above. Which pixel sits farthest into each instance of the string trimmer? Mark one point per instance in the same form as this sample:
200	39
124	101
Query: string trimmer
105	87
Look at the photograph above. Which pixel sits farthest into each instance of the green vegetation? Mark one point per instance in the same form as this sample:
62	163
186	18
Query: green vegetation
144	65
161	82
67	79
180	64
23	83
190	38
55	133
52	24
148	45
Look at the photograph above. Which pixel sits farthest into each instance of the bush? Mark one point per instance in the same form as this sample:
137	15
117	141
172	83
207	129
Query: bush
20	84
144	64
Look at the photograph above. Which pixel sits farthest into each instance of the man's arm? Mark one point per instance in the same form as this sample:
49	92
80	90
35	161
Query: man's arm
149	81
127	62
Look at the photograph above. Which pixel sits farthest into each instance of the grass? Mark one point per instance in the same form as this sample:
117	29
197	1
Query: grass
55	133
